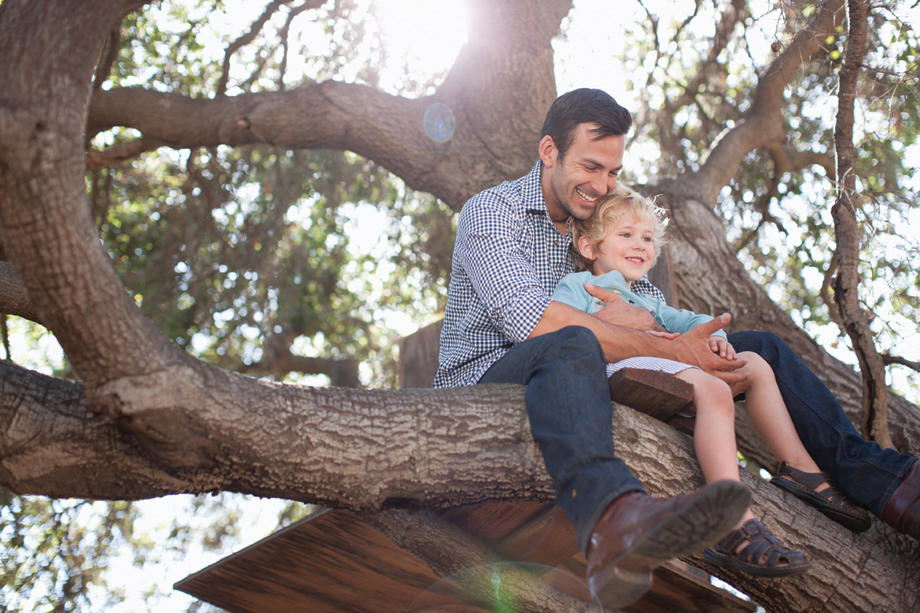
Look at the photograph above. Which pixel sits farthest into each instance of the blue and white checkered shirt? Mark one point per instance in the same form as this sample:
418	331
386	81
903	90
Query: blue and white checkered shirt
508	258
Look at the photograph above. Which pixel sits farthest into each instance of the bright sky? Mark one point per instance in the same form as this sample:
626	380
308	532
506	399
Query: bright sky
426	35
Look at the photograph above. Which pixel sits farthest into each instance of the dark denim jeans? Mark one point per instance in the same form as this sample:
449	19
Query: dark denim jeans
862	470
568	403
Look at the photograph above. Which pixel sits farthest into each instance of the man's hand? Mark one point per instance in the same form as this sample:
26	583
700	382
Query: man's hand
620	313
693	348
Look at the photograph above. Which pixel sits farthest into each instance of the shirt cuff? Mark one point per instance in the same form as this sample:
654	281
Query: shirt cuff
523	315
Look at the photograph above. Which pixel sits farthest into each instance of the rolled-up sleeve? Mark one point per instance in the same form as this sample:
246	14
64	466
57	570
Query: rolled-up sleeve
492	254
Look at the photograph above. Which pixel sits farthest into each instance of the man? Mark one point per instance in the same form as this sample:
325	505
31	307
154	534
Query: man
500	326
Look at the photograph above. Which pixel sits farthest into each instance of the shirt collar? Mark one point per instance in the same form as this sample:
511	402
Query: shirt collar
533	191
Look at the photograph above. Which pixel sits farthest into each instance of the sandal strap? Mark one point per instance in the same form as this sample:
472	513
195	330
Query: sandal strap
762	549
812	481
809	480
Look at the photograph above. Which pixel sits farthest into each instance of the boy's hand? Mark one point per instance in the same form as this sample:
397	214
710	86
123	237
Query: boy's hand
692	347
719	345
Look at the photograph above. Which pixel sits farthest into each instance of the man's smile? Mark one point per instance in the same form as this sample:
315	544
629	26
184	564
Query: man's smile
584	196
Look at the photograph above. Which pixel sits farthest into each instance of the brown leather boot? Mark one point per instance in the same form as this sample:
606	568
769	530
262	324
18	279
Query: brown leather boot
902	511
636	533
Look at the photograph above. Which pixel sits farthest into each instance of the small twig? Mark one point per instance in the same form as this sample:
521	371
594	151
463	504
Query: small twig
896	359
116	154
246	38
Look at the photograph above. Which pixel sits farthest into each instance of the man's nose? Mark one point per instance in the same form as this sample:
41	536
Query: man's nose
601	186
611	183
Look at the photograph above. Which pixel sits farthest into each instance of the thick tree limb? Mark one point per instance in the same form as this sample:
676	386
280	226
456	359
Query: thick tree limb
47	228
507	64
368	450
198	429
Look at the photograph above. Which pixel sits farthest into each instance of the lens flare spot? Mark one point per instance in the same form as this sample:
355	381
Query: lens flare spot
439	122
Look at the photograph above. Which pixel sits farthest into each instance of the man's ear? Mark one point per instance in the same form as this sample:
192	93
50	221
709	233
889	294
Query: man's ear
585	248
548	151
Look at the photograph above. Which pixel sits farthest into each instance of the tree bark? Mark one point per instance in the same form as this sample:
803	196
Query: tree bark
372	450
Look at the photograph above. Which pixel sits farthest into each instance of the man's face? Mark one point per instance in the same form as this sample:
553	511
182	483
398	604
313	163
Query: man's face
572	185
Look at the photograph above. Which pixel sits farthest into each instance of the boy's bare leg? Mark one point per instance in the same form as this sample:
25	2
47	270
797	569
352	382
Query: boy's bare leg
714	432
770	417
750	547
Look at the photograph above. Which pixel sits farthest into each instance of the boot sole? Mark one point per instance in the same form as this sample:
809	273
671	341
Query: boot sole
710	517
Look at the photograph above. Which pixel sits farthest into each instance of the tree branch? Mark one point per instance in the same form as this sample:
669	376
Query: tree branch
14	300
276	443
247	38
96	159
111	52
896	359
846	229
497	91
342	372
762	123
785	159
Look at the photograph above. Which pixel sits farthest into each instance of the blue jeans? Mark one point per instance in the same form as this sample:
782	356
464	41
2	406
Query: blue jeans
568	404
863	471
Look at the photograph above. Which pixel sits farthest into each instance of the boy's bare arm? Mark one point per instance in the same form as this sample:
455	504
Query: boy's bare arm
619	342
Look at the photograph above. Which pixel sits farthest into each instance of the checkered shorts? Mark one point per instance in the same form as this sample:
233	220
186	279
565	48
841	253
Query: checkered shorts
660	364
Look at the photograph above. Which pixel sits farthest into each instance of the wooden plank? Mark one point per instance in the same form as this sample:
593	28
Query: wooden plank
676	586
663	396
491	521
334	561
331	561
547	538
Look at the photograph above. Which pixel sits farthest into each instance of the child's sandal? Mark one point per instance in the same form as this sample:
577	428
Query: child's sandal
762	555
829	500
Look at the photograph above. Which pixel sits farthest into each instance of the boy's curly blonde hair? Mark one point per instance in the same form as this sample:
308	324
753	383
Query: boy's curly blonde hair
618	202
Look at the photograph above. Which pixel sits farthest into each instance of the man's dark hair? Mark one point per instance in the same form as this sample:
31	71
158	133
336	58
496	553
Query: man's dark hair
584	106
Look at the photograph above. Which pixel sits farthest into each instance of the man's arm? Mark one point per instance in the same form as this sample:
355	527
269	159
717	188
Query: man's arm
619	342
620	313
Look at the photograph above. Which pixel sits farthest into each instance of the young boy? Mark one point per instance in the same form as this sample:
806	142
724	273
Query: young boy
616	247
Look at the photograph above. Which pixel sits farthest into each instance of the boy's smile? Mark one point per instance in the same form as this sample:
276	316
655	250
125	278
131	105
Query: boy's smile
628	246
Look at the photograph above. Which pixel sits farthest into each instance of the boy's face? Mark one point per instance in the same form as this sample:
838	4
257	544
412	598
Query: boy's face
628	247
573	184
